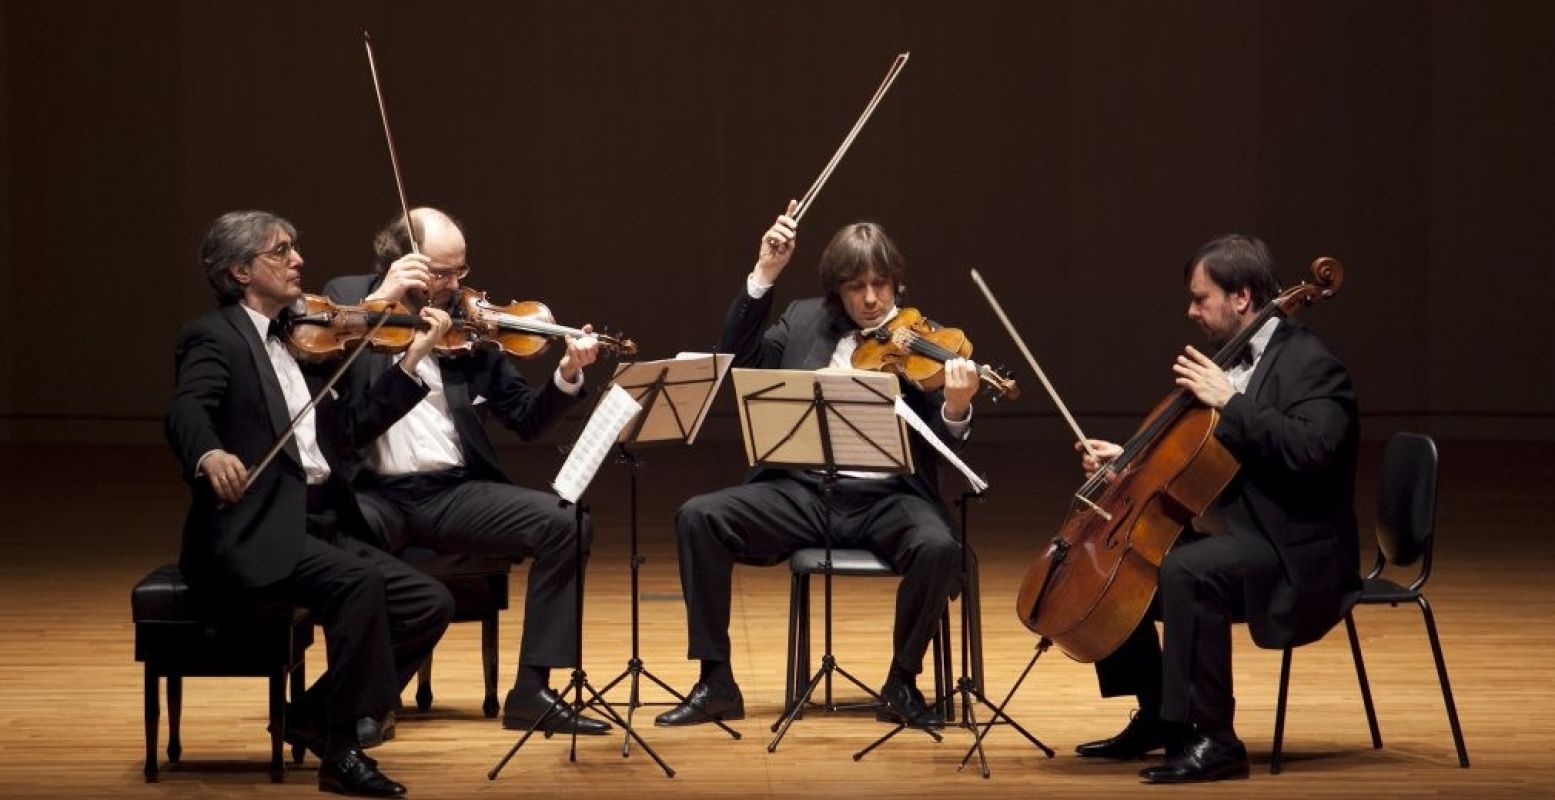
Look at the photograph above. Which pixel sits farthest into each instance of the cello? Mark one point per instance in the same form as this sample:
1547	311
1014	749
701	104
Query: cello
1091	586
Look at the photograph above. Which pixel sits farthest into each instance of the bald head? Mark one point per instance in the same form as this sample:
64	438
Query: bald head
437	235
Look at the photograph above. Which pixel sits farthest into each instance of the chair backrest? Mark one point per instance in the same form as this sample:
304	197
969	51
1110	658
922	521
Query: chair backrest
1406	500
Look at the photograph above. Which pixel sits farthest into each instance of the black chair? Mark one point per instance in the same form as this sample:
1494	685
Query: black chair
861	563
176	635
479	585
1406	533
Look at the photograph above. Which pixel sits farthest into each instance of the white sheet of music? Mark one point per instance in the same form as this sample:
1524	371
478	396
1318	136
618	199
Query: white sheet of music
853	441
780	425
905	412
615	409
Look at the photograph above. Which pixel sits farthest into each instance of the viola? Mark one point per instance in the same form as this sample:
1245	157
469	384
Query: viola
915	347
1091	586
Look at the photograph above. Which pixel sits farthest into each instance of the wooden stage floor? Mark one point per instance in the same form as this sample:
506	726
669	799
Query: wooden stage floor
81	525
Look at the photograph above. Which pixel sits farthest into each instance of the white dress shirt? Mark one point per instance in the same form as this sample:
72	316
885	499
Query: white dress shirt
425	439
295	389
1242	372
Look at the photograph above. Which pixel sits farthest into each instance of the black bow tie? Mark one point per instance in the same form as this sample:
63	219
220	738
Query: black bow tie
1244	358
280	325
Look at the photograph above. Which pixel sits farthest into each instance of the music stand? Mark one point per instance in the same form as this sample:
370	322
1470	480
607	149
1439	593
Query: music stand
614	410
675	395
969	684
830	421
1060	553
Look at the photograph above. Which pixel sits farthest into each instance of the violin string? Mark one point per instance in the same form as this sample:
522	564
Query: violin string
515	322
929	348
941	354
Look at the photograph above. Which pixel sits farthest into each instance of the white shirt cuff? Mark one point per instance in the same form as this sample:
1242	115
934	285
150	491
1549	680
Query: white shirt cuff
199	466
412	375
569	388
958	429
755	288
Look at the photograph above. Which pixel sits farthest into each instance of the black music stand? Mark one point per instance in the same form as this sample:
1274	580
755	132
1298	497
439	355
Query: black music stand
1061	551
609	417
969	684
675	395
831	421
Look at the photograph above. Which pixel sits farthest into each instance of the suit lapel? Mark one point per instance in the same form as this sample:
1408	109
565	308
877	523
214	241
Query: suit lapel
457	392
269	384
823	341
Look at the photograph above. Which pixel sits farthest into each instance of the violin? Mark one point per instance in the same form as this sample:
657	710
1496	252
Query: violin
323	330
915	347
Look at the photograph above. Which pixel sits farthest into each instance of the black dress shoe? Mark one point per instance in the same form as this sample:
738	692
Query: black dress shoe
519	713
355	774
1140	736
1201	759
903	704
705	704
371	731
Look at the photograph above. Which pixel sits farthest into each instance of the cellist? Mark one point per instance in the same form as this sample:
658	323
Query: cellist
1277	549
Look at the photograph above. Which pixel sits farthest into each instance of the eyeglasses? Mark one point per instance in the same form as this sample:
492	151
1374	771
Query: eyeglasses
450	273
280	251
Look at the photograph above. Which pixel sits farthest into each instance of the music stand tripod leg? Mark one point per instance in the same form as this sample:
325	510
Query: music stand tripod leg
579	681
966	687
635	671
998	711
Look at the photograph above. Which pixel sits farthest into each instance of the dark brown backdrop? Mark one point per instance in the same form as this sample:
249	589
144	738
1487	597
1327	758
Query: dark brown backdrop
618	160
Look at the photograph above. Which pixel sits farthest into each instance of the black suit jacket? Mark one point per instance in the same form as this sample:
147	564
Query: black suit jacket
228	397
1292	504
486	379
804	337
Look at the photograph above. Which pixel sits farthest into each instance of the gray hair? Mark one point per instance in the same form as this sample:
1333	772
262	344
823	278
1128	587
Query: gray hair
236	237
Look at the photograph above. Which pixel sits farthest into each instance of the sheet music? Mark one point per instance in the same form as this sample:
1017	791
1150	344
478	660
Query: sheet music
781	424
686	385
905	412
615	409
853	441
